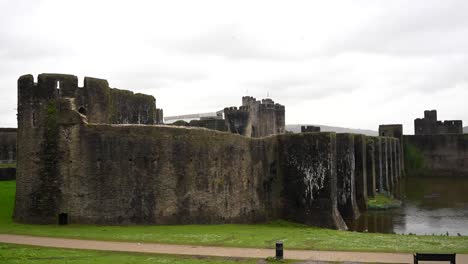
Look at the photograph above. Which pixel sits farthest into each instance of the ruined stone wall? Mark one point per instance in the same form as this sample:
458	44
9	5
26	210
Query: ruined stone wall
308	165
429	125
379	164
97	101
436	155
360	158
7	145
149	174
139	174
39	105
371	166
394	130
346	169
181	176
114	174
8	153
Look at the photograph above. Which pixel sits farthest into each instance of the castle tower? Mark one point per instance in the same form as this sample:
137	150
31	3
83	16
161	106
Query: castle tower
256	118
49	113
38	193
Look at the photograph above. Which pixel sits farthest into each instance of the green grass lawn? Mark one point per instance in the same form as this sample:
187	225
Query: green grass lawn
38	255
295	236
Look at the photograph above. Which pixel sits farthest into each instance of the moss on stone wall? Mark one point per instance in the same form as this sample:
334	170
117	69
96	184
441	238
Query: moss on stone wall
45	199
414	159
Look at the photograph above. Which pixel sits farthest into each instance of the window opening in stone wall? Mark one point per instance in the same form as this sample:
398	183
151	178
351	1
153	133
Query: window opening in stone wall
33	120
63	219
82	110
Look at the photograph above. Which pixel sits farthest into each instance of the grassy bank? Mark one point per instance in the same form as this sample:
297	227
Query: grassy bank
383	202
7	165
295	236
28	255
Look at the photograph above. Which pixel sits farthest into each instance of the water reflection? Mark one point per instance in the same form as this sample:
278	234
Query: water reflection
430	206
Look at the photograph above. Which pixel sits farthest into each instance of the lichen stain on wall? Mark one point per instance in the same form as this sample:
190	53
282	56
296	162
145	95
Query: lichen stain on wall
313	170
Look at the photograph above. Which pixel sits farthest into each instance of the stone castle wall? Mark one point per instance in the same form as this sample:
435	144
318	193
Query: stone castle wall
7	153
438	155
7	145
150	174
429	125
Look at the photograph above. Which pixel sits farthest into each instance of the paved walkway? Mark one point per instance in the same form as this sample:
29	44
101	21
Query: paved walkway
213	251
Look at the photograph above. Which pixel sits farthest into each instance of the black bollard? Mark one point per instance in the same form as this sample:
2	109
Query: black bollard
279	249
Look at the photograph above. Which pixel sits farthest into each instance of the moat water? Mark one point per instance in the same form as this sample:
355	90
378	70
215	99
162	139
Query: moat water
436	205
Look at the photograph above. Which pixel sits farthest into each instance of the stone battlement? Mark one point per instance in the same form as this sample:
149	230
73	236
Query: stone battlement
429	125
96	100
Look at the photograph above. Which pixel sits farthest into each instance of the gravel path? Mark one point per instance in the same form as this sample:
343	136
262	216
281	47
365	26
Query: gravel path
213	251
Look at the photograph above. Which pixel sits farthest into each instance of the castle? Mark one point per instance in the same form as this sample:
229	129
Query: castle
429	125
255	118
95	155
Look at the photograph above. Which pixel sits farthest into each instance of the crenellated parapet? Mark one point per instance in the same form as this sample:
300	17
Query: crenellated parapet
237	120
50	112
96	100
429	125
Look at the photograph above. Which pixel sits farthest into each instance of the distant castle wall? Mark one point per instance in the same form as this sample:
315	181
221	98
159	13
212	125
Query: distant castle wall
436	155
8	145
159	116
256	118
7	153
429	125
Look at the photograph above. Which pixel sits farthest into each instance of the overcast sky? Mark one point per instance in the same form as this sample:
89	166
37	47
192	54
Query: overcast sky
343	63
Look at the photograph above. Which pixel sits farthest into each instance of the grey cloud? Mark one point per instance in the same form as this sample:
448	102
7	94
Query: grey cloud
17	49
408	28
300	88
228	42
155	78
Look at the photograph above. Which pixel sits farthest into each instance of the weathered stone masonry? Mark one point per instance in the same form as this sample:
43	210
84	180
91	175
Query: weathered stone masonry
76	158
436	155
